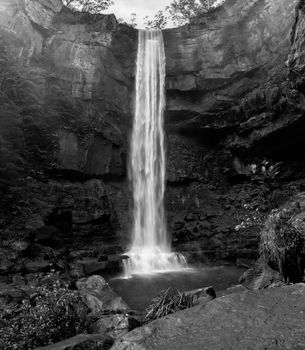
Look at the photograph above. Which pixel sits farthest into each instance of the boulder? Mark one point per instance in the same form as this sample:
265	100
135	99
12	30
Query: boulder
108	312
38	265
114	325
269	319
202	295
98	295
82	342
259	276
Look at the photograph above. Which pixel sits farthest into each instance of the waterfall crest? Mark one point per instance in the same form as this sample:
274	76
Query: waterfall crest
151	250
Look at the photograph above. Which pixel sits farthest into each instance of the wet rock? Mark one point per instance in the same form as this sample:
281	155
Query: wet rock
230	322
98	295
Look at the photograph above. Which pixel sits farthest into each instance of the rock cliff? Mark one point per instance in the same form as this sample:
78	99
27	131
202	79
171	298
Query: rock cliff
228	104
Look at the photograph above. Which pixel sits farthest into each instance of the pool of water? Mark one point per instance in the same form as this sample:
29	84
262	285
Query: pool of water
138	291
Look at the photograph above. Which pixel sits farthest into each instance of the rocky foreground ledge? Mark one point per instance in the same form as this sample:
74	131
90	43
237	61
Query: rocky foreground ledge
269	319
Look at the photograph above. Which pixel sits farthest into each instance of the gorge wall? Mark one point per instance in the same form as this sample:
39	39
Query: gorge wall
229	103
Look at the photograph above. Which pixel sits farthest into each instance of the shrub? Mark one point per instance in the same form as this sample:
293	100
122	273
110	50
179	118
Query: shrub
53	313
167	302
283	245
266	172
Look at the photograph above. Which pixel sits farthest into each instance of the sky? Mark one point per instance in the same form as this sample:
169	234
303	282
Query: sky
124	8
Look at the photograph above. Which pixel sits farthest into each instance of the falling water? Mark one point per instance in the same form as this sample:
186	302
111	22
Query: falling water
150	251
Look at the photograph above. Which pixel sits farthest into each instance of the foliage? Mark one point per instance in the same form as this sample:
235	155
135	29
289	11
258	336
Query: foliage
254	218
167	302
183	11
50	315
283	244
133	20
159	21
92	6
265	172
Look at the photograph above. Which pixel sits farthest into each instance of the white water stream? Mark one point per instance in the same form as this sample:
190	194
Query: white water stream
151	249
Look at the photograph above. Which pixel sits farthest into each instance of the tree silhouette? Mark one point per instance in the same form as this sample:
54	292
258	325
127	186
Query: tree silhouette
92	6
183	11
159	21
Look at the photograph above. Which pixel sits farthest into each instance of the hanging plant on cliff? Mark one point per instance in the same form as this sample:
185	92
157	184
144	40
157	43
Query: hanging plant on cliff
92	6
282	244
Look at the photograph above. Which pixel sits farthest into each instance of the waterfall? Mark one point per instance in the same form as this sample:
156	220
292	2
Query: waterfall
151	249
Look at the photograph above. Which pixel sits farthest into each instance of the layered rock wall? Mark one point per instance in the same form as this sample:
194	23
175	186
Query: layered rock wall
227	97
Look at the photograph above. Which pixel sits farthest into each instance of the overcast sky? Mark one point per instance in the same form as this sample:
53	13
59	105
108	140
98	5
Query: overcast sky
123	8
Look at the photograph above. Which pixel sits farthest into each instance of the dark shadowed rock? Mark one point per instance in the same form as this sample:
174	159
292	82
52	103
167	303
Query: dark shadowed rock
271	319
98	295
38	265
47	235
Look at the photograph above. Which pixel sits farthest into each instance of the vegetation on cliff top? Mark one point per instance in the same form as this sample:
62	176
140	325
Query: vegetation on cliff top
92	6
178	12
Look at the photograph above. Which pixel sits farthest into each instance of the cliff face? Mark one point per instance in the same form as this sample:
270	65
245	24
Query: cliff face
80	71
227	99
89	59
225	55
224	70
297	55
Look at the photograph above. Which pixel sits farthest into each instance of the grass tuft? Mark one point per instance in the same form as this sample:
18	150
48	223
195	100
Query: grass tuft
283	245
167	302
